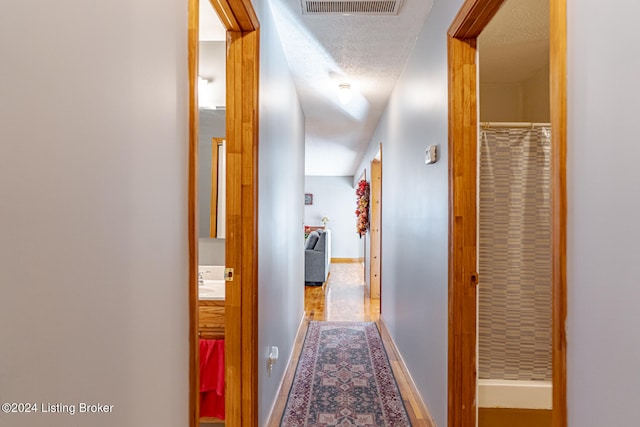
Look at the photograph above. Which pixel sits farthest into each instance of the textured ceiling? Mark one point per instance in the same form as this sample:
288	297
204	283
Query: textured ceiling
369	53
515	44
324	51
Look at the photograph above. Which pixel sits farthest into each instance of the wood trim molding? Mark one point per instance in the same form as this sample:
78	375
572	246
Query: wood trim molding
462	232
375	230
192	285
211	420
245	14
241	244
473	16
242	231
226	14
558	96
246	221
236	15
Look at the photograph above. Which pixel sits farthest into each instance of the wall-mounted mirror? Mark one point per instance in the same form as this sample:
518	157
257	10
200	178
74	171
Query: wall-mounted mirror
211	174
211	137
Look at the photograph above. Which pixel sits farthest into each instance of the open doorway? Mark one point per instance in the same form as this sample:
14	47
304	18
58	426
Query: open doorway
337	230
514	218
375	233
240	246
211	184
473	17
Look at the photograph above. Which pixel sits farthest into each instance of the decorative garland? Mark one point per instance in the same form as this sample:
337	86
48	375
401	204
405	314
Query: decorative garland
362	210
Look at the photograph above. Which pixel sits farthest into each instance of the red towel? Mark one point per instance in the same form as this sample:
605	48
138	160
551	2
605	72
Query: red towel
212	378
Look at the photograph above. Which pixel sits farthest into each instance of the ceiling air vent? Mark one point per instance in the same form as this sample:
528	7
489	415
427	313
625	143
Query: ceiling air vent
351	7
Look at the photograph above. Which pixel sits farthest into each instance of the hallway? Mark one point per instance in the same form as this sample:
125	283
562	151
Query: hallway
343	298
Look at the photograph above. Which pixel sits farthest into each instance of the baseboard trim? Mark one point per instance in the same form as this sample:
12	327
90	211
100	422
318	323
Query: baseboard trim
400	370
347	260
279	403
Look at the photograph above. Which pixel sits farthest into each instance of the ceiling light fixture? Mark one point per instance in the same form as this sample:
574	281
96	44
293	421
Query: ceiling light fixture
344	94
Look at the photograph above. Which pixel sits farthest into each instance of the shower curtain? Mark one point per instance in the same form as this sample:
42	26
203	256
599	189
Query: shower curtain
514	254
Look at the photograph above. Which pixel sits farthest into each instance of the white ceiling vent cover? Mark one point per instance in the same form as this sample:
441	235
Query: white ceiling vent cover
351	7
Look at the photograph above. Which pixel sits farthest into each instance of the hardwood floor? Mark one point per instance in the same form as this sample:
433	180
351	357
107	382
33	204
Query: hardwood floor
343	298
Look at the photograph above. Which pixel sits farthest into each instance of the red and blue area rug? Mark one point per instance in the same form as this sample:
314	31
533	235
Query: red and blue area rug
344	378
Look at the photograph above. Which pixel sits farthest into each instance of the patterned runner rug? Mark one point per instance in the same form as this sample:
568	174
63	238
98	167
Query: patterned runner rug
344	378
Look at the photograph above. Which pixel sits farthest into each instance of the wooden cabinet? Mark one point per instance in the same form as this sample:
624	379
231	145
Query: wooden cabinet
211	322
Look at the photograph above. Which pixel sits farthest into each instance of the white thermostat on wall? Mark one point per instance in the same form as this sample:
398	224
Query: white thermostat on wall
431	154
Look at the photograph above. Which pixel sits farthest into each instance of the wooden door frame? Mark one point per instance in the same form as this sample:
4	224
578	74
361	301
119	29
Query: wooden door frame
376	293
241	245
472	18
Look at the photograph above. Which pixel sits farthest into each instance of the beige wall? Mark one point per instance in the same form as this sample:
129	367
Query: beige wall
501	102
536	97
526	101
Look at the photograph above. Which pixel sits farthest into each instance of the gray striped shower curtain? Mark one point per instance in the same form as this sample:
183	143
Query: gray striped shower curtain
515	254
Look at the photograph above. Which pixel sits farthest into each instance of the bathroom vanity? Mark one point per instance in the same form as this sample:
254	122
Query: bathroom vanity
211	326
211	295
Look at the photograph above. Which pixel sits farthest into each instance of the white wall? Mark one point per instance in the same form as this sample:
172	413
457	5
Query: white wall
281	262
212	67
93	210
335	197
603	340
415	211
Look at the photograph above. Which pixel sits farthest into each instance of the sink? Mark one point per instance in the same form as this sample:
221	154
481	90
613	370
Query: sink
212	290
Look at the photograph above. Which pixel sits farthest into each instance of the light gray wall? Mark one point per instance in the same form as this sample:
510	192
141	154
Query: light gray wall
93	208
603	340
211	251
603	345
212	124
335	197
281	263
415	211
